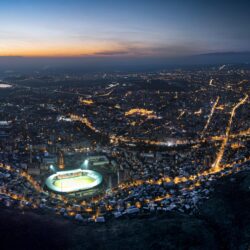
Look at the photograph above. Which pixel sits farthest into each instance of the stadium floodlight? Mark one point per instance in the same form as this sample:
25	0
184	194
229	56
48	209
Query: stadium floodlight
52	168
86	163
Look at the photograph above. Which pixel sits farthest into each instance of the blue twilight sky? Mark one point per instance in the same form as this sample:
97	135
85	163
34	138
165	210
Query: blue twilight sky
123	28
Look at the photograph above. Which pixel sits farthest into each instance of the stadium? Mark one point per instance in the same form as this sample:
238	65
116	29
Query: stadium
73	180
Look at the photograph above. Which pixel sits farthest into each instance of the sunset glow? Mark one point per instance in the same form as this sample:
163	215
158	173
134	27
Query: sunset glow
59	50
82	28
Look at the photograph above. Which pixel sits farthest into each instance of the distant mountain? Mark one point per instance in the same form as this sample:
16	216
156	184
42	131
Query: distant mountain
220	57
121	63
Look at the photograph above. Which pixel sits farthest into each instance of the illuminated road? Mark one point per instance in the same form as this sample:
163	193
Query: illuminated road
84	120
216	165
24	174
141	112
71	93
210	116
106	94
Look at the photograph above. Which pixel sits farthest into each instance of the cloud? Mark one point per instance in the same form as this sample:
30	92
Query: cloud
130	49
111	53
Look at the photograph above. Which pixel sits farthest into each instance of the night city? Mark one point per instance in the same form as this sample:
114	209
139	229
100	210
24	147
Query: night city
124	124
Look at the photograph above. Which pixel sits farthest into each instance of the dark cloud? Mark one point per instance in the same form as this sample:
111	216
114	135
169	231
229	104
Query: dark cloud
111	53
161	51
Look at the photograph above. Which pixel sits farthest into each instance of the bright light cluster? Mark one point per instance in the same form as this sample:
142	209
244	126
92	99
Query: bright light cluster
86	101
73	180
141	112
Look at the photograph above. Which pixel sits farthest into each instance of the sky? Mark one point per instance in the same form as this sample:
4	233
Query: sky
127	28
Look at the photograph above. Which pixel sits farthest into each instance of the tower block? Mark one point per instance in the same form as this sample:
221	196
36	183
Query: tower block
60	163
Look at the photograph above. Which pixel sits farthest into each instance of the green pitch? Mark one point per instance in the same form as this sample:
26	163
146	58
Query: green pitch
79	181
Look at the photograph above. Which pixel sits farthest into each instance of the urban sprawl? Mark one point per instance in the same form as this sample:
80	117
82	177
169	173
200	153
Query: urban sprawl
160	140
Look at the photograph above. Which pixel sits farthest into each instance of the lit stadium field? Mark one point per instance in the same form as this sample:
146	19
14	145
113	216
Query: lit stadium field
73	180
